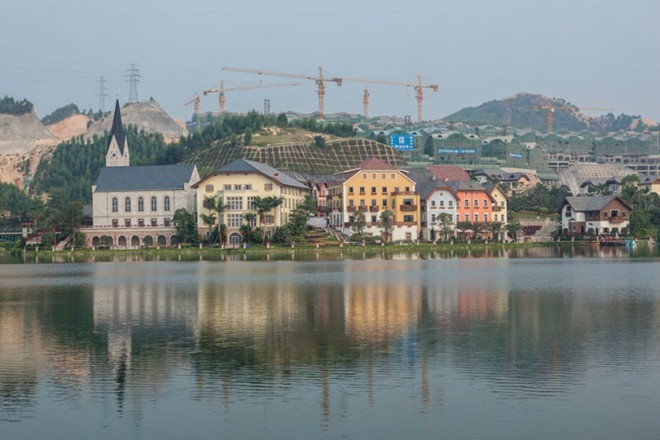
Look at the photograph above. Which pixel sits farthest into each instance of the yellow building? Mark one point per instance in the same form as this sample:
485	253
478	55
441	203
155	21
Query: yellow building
371	188
237	184
500	203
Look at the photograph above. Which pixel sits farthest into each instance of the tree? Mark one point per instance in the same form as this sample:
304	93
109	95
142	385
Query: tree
319	141
381	138
496	229
445	221
209	220
247	137
464	227
358	223
265	205
184	222
282	121
71	216
478	228
513	228
386	223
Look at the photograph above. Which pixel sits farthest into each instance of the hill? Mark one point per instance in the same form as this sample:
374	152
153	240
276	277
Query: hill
335	156
148	116
518	111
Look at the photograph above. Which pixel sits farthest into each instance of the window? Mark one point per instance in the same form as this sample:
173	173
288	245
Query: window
494	215
384	190
485	203
248	186
432	218
614	213
384	203
127	222
238	187
363	202
365	176
166	222
127	204
408	202
442	203
250	203
409	218
154	222
467	217
141	204
476	203
227	187
253	222
383	176
373	190
362	190
208	188
234	203
166	203
154	204
407	189
374	219
476	217
392	176
396	189
115	223
351	203
467	203
234	220
502	203
350	190
140	222
373	202
451	203
115	204
270	219
374	176
433	203
268	186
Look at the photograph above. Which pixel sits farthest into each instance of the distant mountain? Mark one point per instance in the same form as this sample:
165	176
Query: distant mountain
519	111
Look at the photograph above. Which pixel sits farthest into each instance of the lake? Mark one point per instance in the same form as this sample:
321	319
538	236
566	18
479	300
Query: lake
564	343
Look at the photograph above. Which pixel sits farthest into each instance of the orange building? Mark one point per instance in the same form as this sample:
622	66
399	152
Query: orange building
475	204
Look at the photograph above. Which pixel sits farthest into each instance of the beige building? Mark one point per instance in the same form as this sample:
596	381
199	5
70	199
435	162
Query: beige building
238	184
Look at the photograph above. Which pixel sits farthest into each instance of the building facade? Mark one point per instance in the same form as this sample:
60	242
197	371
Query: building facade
596	215
372	188
237	185
438	205
133	206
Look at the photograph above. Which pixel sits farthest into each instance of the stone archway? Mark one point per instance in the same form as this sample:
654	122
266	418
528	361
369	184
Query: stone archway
96	241
121	241
135	241
162	241
148	241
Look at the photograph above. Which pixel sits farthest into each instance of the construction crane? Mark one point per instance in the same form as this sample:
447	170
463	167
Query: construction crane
551	110
319	80
195	101
221	91
419	89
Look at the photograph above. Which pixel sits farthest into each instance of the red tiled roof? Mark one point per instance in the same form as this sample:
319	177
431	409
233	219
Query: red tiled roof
375	164
448	172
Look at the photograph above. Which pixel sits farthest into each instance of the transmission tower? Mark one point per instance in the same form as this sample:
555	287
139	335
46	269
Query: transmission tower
133	77
266	106
101	94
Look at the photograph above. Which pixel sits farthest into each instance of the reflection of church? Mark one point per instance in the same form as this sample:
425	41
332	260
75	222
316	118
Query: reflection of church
134	205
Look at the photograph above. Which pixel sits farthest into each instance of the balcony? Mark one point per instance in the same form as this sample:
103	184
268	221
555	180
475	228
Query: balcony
363	208
350	208
408	207
373	208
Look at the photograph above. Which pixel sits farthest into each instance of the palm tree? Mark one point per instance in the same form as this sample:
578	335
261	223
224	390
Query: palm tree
445	220
265	205
209	220
386	223
496	228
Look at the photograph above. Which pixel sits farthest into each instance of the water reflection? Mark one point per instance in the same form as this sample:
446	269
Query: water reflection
347	332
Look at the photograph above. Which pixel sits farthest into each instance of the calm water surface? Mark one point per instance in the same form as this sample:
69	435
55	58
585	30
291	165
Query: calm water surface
389	347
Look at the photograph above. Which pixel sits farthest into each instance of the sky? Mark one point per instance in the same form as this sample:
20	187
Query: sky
595	53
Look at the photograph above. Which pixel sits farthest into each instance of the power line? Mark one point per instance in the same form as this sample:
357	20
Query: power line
101	94
133	75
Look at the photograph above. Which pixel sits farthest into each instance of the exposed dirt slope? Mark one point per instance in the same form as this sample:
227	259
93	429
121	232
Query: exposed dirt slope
73	126
148	116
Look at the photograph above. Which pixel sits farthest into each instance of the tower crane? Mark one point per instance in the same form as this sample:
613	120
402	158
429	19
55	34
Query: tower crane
221	91
319	80
195	101
419	87
551	110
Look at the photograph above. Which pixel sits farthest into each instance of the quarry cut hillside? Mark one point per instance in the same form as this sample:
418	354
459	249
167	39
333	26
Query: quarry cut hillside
70	127
23	141
148	116
335	156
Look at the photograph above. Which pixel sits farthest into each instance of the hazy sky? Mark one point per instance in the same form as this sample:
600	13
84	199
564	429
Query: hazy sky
590	52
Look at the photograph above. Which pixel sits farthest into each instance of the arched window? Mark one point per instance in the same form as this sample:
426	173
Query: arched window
166	203
115	204
140	204
154	204
127	204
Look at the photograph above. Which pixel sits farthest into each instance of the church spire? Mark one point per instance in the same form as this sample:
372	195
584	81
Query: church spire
117	154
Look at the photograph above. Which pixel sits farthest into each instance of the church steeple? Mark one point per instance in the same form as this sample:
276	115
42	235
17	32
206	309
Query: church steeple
117	155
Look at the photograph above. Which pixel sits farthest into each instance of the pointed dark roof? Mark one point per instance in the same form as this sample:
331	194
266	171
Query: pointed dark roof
117	131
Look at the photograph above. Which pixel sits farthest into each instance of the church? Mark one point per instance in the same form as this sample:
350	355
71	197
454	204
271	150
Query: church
133	206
